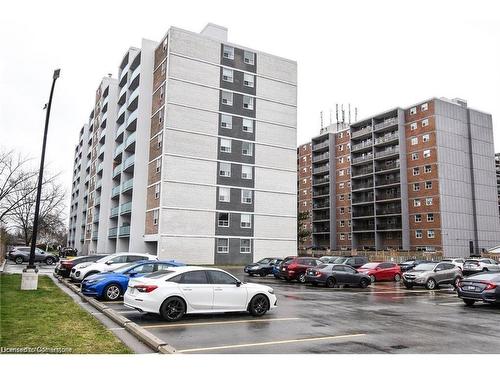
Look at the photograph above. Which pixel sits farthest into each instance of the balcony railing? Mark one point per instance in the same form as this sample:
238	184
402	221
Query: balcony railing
362	199
364	185
114	211
387	152
117	170
127	185
322	169
125	208
324	204
362	228
124	231
388	226
119	149
120	130
361	171
382	197
387	123
383	182
322	180
321	145
94	235
115	191
392	211
361	132
129	162
321	157
318	193
361	159
112	232
131	118
130	140
321	217
386	167
361	145
362	213
387	138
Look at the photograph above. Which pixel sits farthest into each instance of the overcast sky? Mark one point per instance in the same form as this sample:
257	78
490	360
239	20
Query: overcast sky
375	55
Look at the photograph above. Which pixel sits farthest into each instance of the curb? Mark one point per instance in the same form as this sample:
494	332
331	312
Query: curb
136	330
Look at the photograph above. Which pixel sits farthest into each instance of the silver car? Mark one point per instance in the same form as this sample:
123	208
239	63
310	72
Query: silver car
480	265
431	275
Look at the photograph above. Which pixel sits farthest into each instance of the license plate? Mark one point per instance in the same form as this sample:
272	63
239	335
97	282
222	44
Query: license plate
470	287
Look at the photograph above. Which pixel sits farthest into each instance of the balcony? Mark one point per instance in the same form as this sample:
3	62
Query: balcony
119	132
359	172
388	196
321	145
115	191
387	152
122	97
320	192
362	145
101	151
388	181
117	170
123	72
363	228
320	217
362	132
321	229
131	120
119	149
362	213
128	163
127	185
363	199
323	169
94	235
321	205
126	208
104	119
362	159
97	201
121	114
362	185
387	166
387	138
114	212
124	231
321	157
321	181
134	95
130	141
387	123
99	167
389	226
112	232
135	74
389	211
98	185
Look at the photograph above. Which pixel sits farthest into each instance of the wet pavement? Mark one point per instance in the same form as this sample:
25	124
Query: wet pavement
384	318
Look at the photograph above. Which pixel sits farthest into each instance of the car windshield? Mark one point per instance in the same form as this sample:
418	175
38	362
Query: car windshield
408	262
370	266
122	269
322	266
424	267
340	260
264	261
472	261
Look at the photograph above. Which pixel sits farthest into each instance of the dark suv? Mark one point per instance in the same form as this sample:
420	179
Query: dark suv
354	261
295	269
22	254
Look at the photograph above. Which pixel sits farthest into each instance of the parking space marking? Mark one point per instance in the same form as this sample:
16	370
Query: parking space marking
266	343
220	322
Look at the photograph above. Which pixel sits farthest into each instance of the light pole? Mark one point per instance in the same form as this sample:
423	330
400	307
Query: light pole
30	273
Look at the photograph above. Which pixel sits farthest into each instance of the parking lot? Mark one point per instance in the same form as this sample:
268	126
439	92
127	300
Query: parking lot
384	318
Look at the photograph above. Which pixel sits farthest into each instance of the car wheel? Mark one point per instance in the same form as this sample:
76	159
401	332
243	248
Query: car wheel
485	269
330	282
19	260
112	292
49	261
469	302
372	278
263	274
430	284
408	286
363	283
397	277
456	281
302	278
259	305
173	309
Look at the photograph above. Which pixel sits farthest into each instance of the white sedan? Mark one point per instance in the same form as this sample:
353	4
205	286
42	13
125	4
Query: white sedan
196	290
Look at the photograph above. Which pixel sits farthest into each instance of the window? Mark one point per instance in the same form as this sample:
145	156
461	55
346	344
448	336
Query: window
431	234
227	98
245	221
416	203
427	154
428	201
157	191
418	218
341	223
162	92
248	79
226	121
246	196
247	102
341	185
425	122
430	217
247	148
342	236
194	277
341	172
341	147
245	246
342	210
416	186
247	125
414	156
341	197
418	233
428	169
414	141
428	185
156	214
225	169
160	117
416	171
225	145
246	172
223	245
224	194
413	110
228	52
249	57
413	126
162	68
159	140
424	107
227	75
158	165
223	219
219	277
426	137
349	236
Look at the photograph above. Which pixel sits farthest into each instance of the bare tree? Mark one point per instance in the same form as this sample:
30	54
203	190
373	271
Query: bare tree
14	175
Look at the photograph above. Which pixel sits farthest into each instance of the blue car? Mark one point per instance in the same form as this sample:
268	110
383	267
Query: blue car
112	285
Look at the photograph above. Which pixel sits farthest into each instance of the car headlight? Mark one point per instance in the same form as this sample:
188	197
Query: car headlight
95	281
421	280
254	267
270	291
85	266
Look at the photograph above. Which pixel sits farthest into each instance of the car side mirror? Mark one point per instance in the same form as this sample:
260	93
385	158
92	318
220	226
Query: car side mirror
238	283
132	274
109	262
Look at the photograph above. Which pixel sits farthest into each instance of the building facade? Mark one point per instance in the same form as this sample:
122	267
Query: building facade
304	191
420	178
497	168
202	160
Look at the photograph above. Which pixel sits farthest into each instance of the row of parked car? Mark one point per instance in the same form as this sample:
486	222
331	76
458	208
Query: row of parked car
169	288
356	271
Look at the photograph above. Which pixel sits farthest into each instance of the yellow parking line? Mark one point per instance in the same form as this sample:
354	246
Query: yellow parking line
271	343
218	322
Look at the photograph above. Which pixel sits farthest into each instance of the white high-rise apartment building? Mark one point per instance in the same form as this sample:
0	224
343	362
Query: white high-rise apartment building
199	162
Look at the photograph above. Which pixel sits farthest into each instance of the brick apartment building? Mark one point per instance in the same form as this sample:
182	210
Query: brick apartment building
304	189
420	178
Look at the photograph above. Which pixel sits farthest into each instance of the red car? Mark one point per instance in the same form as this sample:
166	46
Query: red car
295	269
381	271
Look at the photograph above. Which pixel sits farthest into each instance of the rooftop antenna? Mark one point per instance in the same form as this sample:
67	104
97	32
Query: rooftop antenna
330	117
321	118
343	114
355	114
349	113
337	112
